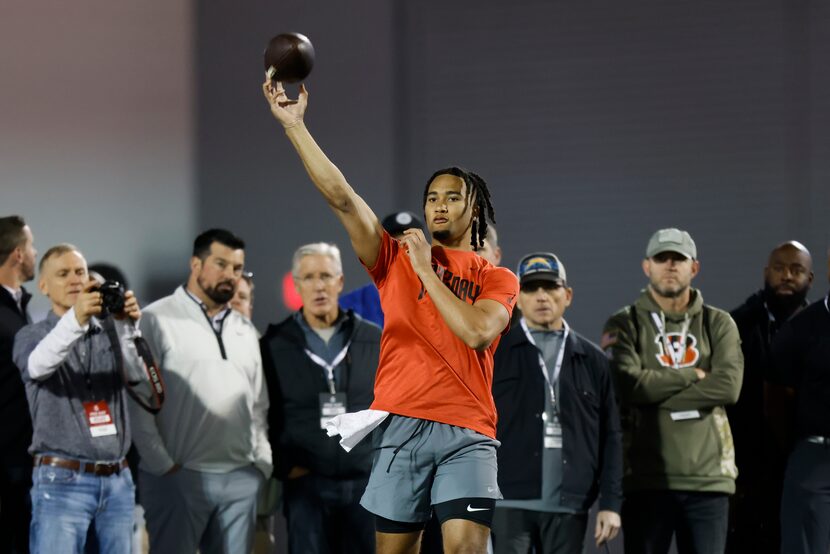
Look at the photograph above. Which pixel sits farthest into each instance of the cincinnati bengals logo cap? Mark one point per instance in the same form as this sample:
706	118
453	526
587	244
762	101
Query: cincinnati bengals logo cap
541	266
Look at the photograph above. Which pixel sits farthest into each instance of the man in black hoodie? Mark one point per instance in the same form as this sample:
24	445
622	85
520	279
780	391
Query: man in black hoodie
760	420
320	362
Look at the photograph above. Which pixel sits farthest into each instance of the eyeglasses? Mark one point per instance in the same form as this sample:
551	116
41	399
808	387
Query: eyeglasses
326	278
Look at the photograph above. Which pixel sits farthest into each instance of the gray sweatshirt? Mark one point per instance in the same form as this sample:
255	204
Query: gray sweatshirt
74	365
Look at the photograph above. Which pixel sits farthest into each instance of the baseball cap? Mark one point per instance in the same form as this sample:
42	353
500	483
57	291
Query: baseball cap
671	240
398	222
541	266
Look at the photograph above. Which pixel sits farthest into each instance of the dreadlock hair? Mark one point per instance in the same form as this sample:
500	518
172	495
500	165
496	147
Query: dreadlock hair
476	189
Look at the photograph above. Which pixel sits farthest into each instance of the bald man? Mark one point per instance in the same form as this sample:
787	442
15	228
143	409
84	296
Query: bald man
800	354
762	413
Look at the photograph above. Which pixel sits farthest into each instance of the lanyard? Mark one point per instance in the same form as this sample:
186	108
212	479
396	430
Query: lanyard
559	358
329	367
676	354
770	317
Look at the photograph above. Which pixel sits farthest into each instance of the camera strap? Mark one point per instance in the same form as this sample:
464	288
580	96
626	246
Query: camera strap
150	366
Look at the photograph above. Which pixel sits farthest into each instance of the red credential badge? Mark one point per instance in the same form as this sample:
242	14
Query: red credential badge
99	419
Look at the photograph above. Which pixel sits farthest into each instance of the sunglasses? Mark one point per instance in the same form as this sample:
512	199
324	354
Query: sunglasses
548	286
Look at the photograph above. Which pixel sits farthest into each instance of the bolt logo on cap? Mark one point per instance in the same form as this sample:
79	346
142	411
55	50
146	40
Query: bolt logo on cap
541	266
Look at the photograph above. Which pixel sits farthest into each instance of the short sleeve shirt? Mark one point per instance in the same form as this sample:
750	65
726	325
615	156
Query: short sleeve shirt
425	371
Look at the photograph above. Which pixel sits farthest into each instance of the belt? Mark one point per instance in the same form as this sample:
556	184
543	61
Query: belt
100	469
817	439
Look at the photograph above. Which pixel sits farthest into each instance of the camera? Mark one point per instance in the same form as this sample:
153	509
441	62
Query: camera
112	298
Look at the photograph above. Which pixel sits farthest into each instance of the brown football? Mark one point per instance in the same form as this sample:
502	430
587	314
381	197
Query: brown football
291	56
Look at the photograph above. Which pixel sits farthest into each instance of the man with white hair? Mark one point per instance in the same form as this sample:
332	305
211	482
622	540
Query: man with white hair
320	362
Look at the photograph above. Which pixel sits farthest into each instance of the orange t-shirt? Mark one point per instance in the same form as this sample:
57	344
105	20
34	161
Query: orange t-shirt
425	371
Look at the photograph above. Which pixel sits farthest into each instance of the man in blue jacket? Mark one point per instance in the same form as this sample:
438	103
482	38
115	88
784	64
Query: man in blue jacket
558	424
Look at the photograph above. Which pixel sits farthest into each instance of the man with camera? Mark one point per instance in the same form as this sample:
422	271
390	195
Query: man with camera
205	455
73	368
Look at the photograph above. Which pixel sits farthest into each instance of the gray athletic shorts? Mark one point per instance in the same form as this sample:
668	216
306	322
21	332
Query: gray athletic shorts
419	463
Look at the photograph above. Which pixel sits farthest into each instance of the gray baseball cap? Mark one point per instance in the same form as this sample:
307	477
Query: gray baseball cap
671	240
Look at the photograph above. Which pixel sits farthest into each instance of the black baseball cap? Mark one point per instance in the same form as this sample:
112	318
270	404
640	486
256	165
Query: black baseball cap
398	222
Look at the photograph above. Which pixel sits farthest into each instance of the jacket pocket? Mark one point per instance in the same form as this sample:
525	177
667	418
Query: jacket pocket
692	447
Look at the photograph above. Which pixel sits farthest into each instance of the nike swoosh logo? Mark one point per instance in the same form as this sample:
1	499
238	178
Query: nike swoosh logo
471	509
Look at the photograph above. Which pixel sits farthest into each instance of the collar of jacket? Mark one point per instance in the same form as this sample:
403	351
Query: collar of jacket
291	330
646	303
517	337
8	300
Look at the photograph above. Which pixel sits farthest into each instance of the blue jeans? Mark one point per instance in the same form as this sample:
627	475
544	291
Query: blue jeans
65	503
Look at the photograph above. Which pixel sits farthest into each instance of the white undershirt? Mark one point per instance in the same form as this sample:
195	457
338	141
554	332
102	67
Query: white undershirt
17	295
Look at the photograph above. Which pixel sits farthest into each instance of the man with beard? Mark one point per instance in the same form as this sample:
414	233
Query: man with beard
800	354
677	363
206	454
17	266
760	418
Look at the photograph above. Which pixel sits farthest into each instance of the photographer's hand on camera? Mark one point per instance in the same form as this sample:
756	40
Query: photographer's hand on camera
88	303
131	308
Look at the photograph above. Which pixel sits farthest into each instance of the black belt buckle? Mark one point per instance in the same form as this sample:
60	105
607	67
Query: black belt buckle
105	469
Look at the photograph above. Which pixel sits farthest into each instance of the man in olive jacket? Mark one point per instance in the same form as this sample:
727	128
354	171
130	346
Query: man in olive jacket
676	363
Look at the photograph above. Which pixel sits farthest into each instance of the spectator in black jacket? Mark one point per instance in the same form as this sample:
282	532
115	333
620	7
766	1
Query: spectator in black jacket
761	419
320	362
17	266
558	424
801	359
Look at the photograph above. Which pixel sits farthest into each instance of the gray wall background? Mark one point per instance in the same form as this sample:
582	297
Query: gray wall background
595	124
96	132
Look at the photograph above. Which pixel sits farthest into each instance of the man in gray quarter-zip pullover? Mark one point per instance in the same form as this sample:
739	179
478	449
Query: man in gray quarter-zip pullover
205	455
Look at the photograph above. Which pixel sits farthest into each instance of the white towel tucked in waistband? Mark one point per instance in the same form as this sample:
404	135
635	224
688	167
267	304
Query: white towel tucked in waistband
354	427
